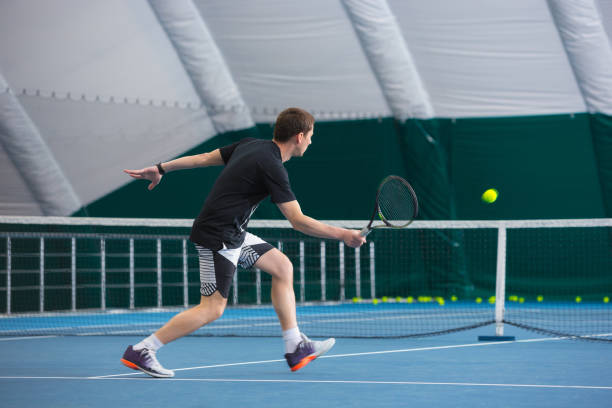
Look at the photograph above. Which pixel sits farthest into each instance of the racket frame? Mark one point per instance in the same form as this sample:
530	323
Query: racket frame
386	223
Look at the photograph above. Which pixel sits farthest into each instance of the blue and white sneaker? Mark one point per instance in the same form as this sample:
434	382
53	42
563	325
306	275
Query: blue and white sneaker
145	361
307	351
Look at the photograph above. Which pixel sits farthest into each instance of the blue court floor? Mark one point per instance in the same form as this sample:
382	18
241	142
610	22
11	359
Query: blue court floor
444	371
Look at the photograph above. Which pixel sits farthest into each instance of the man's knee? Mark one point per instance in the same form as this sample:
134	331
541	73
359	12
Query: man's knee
217	311
277	265
284	269
213	306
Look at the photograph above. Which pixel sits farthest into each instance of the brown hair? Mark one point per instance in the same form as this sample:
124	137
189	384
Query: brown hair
290	122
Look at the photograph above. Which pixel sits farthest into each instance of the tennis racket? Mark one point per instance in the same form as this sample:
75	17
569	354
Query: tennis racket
396	205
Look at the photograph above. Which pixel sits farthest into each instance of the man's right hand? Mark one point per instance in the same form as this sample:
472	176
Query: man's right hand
353	238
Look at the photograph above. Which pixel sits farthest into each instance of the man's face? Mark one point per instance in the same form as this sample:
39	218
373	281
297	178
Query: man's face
306	141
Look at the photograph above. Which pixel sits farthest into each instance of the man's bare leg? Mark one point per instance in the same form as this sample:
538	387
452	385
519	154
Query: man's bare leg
275	263
142	357
210	309
299	349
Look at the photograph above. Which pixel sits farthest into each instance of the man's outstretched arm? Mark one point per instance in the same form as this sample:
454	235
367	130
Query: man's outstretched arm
309	226
153	174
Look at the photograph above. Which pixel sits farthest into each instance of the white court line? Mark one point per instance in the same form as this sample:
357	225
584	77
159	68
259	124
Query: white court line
193	368
350	355
457	346
25	338
241	380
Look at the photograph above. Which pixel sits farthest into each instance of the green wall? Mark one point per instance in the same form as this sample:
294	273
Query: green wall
601	129
336	179
542	166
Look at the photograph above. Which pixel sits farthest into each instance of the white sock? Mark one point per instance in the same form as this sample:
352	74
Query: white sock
292	339
152	343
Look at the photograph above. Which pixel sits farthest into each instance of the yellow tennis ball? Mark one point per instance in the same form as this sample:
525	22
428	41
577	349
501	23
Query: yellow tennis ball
578	299
454	298
409	299
478	300
355	299
398	299
385	299
374	301
489	196
540	298
492	299
606	299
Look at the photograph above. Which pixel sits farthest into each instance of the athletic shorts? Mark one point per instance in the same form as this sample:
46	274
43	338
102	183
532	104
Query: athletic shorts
217	268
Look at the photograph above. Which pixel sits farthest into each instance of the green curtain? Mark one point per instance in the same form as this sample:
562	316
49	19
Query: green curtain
601	128
554	166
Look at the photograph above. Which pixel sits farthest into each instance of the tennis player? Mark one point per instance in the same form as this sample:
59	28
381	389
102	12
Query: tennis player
253	170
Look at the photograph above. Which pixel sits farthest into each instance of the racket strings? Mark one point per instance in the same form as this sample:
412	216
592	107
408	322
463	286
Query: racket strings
396	203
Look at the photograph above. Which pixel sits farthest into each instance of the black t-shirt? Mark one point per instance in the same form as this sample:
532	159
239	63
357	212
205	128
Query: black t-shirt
253	170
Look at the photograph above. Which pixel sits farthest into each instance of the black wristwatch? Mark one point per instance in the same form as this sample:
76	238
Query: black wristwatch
160	169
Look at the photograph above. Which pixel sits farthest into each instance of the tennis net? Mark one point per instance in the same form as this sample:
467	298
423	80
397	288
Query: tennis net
82	276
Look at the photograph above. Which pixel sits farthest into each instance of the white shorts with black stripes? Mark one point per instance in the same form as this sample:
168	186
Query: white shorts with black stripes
217	268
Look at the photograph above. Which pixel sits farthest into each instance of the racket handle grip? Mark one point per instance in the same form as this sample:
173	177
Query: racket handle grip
365	231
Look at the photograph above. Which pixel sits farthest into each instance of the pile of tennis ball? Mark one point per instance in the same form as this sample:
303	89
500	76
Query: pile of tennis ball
441	301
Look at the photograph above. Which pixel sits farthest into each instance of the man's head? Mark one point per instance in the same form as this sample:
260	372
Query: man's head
294	126
291	122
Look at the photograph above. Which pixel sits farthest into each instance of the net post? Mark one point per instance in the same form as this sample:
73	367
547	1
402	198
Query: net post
372	271
500	289
341	258
279	245
302	274
500	282
102	273
258	286
42	275
235	287
132	303
159	273
357	272
73	273
323	262
8	275
185	276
